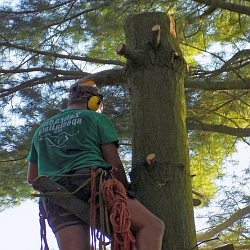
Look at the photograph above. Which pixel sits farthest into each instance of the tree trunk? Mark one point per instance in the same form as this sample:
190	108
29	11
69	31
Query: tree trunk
155	73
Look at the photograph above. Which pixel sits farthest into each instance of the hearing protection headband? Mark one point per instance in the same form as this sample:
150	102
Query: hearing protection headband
95	100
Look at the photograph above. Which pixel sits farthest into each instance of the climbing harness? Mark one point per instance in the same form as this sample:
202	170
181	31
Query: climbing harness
113	217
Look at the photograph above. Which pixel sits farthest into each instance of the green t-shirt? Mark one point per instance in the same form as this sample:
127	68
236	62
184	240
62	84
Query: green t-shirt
71	140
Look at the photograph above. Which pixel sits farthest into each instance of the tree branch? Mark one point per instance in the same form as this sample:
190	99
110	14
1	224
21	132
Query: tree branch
35	11
219	85
106	77
233	218
40	69
198	125
72	57
37	81
77	15
233	7
206	13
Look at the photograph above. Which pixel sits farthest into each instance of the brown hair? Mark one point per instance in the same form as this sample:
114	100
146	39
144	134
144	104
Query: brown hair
80	93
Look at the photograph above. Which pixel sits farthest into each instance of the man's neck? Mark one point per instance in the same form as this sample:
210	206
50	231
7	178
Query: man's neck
77	106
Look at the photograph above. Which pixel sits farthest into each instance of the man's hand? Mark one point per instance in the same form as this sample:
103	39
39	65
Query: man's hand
111	156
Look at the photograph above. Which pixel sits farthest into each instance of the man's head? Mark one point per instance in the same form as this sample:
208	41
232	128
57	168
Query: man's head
85	94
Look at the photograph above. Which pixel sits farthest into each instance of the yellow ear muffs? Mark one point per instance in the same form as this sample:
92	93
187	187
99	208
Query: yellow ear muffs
94	102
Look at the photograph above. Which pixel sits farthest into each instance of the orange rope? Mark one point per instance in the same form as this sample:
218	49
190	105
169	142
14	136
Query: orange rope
98	233
115	197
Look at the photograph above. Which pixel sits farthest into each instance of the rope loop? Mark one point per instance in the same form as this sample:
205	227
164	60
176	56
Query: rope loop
115	197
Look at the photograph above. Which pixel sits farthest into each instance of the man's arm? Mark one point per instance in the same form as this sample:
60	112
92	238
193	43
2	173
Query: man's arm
112	157
32	172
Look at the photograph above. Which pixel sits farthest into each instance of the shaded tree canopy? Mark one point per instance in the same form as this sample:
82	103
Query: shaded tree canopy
47	45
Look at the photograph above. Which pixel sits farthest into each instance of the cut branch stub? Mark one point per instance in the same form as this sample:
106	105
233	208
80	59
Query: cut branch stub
156	36
150	162
135	57
196	202
121	49
150	158
125	51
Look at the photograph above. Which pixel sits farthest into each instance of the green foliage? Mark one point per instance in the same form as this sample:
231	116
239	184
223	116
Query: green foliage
209	151
47	45
233	197
15	142
207	156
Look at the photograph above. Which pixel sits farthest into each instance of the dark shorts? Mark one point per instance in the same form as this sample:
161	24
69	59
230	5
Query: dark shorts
57	216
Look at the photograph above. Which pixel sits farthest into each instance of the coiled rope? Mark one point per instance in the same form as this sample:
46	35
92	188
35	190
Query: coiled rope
115	197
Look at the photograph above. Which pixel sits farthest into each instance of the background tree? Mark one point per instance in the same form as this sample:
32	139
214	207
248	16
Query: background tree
47	45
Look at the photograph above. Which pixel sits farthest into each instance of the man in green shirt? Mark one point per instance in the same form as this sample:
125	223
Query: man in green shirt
72	142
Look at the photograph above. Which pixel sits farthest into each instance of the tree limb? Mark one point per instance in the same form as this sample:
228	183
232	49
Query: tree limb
110	77
72	57
219	85
40	69
238	8
233	218
36	81
106	77
202	16
55	6
198	125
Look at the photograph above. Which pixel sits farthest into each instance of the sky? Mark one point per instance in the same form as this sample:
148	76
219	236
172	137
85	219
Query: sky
20	229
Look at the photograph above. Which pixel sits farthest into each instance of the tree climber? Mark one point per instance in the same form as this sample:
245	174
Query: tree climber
64	148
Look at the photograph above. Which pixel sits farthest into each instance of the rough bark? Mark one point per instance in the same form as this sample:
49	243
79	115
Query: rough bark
155	74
